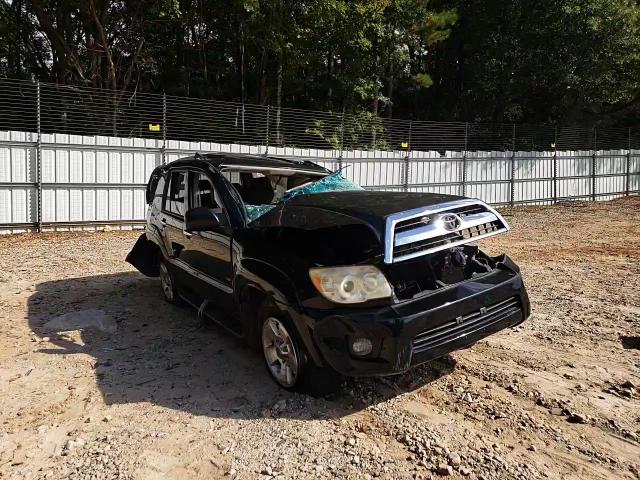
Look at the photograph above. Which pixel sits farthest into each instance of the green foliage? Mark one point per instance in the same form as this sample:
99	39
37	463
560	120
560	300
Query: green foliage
363	131
490	60
569	61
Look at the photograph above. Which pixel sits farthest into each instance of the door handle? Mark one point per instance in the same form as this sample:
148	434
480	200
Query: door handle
163	222
187	234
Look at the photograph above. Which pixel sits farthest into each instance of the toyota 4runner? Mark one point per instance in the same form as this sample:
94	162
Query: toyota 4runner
322	276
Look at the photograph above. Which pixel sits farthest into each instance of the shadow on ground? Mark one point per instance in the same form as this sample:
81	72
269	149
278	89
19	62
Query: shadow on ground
630	342
158	353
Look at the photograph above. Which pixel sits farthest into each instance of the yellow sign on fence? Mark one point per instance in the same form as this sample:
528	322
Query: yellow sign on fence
154	127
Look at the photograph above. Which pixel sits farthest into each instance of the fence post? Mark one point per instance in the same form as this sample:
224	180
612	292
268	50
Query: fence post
266	150
627	189
593	165
463	183
555	165
163	149
38	158
512	197
341	141
406	159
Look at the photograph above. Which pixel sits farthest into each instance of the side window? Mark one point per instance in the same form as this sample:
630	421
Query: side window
159	193
175	202
203	193
202	189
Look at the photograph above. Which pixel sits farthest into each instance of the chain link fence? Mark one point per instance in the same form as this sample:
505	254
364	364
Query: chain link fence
53	136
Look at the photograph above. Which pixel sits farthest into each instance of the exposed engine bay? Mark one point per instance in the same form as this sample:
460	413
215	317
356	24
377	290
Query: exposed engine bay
425	274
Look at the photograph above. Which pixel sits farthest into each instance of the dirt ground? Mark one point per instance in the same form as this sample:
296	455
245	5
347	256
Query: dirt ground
153	395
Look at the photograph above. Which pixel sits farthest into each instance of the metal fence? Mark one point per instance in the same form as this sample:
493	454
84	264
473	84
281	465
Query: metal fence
74	157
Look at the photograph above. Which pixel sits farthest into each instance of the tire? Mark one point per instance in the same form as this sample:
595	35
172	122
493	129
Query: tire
168	284
287	361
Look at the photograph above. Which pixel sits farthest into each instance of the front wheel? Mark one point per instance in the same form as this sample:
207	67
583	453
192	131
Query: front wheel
288	363
281	353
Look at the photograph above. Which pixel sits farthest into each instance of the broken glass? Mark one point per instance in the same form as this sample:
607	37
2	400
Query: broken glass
331	183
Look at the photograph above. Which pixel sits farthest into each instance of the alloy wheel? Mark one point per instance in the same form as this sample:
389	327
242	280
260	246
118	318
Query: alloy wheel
166	282
280	352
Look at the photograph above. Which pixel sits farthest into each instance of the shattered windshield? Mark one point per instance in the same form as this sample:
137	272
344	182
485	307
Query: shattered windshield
331	183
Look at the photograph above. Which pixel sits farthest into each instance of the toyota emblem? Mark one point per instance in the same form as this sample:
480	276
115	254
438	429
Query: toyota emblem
450	221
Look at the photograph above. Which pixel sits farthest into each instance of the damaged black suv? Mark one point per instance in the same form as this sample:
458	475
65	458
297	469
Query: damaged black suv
322	276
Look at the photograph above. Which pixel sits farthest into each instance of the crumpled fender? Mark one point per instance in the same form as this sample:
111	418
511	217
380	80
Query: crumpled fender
145	256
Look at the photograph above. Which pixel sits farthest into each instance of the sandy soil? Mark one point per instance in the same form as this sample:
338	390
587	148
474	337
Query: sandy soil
163	397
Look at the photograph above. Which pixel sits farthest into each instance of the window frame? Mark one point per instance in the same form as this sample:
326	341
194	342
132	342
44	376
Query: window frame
193	189
192	172
167	192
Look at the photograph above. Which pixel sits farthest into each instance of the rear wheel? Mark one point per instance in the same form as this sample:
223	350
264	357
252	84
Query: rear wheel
168	284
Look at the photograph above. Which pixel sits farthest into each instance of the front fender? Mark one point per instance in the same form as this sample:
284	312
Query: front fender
258	282
273	282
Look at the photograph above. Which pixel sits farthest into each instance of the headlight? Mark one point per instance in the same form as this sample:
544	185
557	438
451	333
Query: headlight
353	284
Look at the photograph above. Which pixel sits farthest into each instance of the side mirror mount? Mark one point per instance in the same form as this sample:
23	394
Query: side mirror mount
202	219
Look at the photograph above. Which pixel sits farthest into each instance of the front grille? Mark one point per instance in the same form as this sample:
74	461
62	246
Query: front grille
460	235
431	229
417	222
464	325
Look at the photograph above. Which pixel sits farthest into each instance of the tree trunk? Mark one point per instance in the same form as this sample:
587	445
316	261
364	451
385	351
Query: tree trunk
15	60
390	91
279	98
329	77
243	89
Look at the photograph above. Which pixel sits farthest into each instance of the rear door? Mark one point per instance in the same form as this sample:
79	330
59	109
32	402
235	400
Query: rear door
174	207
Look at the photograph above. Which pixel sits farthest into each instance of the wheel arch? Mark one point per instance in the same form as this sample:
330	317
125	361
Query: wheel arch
256	304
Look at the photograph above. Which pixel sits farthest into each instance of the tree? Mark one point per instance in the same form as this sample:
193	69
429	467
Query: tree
520	61
494	61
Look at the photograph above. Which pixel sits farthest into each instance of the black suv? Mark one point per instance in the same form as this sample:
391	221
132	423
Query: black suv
322	276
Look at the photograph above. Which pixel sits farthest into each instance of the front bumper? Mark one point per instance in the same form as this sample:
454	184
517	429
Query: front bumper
422	329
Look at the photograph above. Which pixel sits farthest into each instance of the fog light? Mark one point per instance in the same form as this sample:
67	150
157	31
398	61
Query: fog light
361	346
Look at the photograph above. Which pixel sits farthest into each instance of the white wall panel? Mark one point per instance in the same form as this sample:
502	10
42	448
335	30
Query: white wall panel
127	168
48	205
62	166
18	165
75	166
126	206
139	204
102	166
5	164
62	205
88	167
613	184
530	191
75	205
88	204
119	163
5	206
114	211
102	204
18	204
115	167
48	165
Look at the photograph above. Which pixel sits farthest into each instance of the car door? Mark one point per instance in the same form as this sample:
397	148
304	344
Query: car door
208	253
172	213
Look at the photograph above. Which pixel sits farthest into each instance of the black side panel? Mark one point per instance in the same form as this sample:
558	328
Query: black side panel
145	256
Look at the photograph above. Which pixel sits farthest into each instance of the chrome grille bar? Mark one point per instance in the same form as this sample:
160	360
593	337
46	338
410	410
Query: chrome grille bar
421	231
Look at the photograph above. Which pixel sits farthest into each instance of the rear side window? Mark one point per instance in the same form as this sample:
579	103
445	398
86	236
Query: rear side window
159	193
175	201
